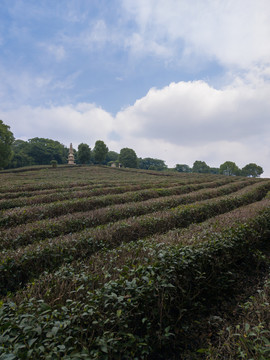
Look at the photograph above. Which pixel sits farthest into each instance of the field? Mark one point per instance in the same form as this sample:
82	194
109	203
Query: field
103	263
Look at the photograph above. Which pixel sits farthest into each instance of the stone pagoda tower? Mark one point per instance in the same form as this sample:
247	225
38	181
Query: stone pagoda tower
71	156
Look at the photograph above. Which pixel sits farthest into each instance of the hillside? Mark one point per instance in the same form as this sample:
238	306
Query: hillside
104	263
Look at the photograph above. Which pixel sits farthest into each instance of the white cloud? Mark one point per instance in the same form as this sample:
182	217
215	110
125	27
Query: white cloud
180	123
81	123
190	113
236	33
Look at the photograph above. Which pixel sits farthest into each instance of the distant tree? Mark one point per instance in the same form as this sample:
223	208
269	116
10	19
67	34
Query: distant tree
214	170
252	170
44	150
200	167
20	154
111	157
229	168
182	168
100	151
6	140
152	164
128	158
84	154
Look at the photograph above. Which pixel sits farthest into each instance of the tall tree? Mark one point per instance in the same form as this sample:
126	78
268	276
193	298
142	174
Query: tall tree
6	140
84	153
44	150
229	168
252	170
128	158
200	167
100	151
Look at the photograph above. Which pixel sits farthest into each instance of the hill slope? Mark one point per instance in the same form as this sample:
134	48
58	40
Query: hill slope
102	263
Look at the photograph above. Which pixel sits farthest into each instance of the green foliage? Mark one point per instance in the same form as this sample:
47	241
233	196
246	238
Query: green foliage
248	337
214	170
100	151
51	255
152	164
128	158
53	163
182	168
84	153
229	168
97	263
42	151
86	201
20	154
252	170
6	140
200	167
112	156
134	316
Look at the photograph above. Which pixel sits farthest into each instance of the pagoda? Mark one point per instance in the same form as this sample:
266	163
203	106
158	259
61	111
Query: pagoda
71	156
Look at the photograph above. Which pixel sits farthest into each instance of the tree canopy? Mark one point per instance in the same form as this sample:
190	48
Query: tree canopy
20	149
182	168
100	151
6	140
111	156
152	164
252	170
128	158
200	167
84	153
229	168
44	150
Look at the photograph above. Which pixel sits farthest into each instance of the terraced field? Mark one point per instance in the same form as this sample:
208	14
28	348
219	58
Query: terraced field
102	263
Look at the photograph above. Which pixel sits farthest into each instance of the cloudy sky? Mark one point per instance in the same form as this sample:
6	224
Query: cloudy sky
177	80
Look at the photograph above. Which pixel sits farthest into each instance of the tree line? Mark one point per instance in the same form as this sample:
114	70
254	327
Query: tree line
16	153
227	168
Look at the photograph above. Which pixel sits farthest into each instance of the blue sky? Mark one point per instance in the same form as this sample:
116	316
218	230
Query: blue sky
175	79
82	51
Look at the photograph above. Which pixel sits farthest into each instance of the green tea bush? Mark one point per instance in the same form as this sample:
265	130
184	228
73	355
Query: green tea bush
146	311
17	269
27	214
48	196
26	234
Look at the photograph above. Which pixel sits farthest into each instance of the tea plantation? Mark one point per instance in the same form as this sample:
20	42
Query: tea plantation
107	263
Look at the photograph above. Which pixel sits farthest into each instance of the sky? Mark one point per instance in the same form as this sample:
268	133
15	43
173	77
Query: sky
176	80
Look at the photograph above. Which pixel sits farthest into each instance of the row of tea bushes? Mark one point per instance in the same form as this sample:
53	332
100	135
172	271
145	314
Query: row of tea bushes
147	310
17	267
52	180
47	196
74	280
12	199
87	202
73	222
